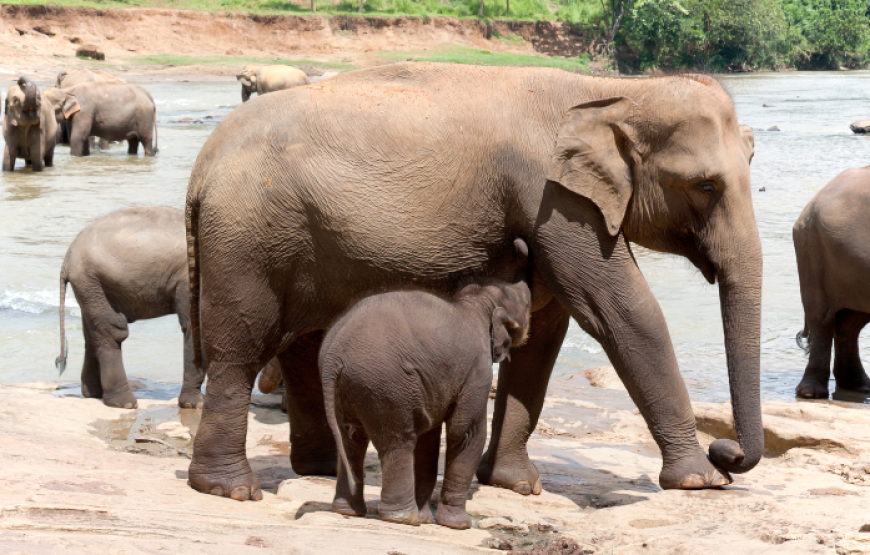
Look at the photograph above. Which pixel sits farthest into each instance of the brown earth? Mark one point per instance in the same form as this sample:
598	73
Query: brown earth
79	477
44	39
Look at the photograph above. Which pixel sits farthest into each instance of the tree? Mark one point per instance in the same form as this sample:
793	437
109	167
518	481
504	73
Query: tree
361	4
480	10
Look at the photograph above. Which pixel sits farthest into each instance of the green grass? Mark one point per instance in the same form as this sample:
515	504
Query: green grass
185	60
466	55
580	12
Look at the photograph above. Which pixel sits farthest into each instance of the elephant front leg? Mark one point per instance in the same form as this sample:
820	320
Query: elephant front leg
466	435
848	370
312	448
9	157
220	465
814	384
36	150
522	385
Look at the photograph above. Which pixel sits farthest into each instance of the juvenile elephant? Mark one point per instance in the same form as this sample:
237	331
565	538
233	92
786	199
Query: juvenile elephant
421	175
396	367
66	79
111	111
129	265
29	128
266	79
832	245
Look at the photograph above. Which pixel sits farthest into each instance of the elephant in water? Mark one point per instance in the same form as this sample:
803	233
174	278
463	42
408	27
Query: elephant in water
418	175
111	111
398	366
29	127
266	79
66	79
832	245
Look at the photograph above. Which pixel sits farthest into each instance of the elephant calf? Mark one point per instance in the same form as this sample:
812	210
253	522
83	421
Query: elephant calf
832	245
398	365
266	79
30	130
129	265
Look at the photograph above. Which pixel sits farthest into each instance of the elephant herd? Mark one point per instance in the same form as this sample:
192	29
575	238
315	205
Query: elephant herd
387	235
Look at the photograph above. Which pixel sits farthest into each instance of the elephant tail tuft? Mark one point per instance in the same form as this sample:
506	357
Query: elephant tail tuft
60	362
803	339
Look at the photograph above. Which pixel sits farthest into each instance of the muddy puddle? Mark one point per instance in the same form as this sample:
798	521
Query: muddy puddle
157	431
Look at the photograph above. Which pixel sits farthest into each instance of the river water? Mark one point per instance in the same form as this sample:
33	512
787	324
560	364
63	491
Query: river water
41	214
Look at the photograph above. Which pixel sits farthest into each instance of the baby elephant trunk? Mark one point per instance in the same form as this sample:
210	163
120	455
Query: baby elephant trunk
32	100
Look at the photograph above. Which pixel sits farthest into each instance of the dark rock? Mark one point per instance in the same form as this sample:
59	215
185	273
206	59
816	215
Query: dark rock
762	189
44	30
187	119
90	51
766	106
774	128
860	126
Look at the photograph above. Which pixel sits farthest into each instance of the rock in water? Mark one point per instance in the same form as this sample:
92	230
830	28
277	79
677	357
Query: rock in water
861	127
90	51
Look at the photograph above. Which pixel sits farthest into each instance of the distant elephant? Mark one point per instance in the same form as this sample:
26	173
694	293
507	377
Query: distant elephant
129	265
419	175
832	245
66	79
395	368
114	112
266	79
29	127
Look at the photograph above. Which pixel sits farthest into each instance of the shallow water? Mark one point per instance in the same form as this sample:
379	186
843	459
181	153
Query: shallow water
41	214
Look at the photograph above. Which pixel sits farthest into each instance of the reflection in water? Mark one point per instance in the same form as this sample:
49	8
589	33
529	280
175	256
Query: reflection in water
40	214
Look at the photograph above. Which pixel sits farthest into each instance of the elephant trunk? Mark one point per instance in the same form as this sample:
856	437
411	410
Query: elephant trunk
740	299
32	100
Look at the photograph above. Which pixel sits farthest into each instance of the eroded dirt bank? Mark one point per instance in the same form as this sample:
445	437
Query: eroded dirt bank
34	37
79	477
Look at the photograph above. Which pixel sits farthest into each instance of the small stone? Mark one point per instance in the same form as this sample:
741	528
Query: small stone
774	128
499	523
501	545
766	106
187	119
864	528
762	189
861	126
90	51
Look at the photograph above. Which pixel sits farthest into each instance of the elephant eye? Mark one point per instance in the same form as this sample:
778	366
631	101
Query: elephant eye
707	187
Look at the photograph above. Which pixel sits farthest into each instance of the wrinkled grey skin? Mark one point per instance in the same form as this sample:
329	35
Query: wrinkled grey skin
66	79
832	245
266	79
395	368
129	265
420	175
29	127
110	111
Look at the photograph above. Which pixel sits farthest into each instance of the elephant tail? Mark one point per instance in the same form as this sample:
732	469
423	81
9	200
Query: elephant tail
191	222
803	339
60	362
330	371
156	149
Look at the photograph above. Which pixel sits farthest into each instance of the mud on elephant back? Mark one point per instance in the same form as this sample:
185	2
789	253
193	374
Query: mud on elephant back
428	186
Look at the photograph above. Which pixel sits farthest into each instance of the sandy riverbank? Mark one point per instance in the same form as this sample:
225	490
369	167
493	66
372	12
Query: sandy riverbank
75	480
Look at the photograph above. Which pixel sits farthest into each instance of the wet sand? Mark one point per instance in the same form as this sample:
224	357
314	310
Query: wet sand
83	478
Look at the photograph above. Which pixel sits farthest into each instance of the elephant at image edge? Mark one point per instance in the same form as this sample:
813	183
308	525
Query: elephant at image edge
832	245
266	79
29	127
111	111
66	79
398	366
292	216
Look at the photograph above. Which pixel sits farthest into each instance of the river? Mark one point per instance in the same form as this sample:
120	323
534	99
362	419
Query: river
40	215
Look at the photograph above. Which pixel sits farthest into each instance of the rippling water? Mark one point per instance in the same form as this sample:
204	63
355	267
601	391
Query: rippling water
41	214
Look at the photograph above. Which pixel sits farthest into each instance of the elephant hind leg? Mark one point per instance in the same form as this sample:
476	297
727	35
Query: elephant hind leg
133	144
848	370
91	386
814	384
349	500
426	471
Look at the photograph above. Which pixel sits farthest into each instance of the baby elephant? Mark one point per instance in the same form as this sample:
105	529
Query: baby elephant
29	128
398	365
127	266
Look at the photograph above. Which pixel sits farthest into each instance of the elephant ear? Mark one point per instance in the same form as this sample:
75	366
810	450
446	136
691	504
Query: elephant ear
499	334
748	141
592	156
245	81
70	106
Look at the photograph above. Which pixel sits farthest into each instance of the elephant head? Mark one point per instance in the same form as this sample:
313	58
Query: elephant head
23	103
63	102
673	176
248	79
509	325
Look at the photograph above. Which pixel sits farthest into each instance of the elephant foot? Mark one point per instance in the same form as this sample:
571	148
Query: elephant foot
812	388
313	456
122	399
89	392
859	383
349	506
426	514
241	486
191	399
694	472
400	515
520	476
453	517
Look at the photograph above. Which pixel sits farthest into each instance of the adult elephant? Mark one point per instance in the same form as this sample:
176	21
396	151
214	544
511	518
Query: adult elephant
832	246
266	79
67	79
114	112
420	175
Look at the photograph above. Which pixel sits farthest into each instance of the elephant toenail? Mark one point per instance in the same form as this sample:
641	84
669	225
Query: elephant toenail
522	487
257	495
217	490
240	493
